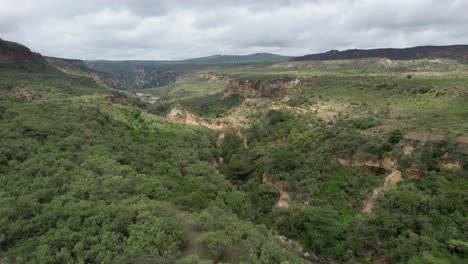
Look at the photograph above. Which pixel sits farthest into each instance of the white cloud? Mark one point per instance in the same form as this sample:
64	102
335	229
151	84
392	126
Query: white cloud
144	29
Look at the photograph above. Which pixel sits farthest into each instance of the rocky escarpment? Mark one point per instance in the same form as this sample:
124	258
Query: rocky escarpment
457	52
14	53
276	88
180	115
139	74
147	78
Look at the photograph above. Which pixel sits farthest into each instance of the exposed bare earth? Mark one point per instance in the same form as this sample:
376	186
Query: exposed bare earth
391	180
180	115
283	201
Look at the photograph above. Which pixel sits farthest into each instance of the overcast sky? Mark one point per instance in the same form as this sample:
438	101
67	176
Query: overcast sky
164	29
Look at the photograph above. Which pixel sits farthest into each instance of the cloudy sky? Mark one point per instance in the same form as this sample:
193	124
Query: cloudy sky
165	29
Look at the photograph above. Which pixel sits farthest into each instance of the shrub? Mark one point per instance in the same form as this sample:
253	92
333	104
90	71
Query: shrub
156	236
424	90
395	136
275	116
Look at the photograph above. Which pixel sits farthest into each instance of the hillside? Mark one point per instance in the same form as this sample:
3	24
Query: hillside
17	56
456	52
14	53
79	67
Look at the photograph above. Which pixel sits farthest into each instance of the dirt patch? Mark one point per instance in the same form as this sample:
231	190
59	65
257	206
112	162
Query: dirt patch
426	135
328	110
283	201
454	166
414	172
408	150
391	180
463	139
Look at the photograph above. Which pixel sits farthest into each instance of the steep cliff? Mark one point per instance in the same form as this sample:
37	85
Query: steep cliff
180	115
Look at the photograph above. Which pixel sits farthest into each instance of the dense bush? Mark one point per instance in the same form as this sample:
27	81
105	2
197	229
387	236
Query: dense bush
395	136
83	181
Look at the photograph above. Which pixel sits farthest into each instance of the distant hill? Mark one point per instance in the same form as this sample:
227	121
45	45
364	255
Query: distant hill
79	67
14	53
457	52
239	59
16	56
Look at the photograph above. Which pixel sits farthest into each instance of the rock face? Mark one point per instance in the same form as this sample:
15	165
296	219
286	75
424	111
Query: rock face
14	53
376	167
180	115
138	74
147	78
278	88
457	52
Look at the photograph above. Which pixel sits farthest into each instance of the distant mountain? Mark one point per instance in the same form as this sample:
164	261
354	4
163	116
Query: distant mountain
239	59
457	52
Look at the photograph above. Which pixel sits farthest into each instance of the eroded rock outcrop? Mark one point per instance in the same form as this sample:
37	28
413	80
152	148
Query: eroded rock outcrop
376	167
279	88
181	115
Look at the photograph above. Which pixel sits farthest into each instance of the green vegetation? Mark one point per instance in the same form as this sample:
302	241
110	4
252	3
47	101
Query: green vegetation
200	95
88	177
30	84
93	175
92	184
412	221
